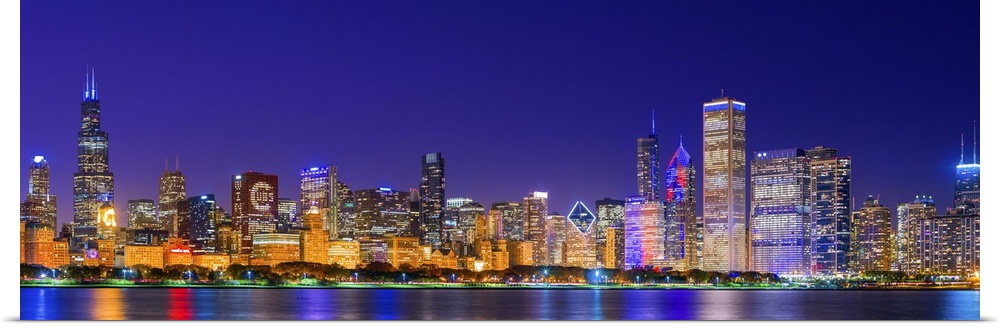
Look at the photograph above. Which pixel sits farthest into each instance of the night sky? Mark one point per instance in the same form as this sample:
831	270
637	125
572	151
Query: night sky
519	97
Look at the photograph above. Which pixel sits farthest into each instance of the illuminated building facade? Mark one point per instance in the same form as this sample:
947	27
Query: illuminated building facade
724	185
614	249
908	216
610	213
60	252
255	206
345	253
172	190
469	215
511	220
151	255
403	250
40	204
93	183
648	164
38	245
873	238
682	222
176	252
949	244
228	239
313	238
520	253
345	215
494	224
643	231
319	188
443	258
288	215
382	211
203	218
432	199
536	207
145	236
106	224
967	180
450	230
555	239
780	207
830	192
274	248
142	214
212	261
581	216
372	250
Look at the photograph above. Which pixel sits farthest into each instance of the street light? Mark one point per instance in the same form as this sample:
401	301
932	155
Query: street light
355	277
404	278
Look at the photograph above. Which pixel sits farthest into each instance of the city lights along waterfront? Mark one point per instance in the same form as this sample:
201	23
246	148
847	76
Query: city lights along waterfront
394	160
800	232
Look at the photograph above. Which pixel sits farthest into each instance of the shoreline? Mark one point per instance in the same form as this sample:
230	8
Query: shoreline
507	287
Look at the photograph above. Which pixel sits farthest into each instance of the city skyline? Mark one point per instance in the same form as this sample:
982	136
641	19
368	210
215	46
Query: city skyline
479	166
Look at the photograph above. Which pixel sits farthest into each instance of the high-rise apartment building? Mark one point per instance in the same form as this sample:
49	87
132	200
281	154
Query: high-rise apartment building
172	190
948	244
40	202
451	231
610	213
643	232
93	183
469	215
536	207
319	188
908	217
830	192
555	239
511	220
780	226
255	206
682	223
203	223
724	185
382	211
873	238
345	215
288	215
432	198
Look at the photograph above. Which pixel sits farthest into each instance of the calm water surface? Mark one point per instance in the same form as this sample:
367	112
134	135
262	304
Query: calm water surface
485	304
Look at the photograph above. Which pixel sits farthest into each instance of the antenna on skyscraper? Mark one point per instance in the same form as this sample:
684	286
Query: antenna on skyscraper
654	122
961	157
722	93
682	140
93	80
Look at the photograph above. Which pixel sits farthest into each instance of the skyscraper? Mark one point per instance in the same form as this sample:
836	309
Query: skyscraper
536	207
255	206
432	200
93	183
556	227
948	244
830	193
967	182
382	211
288	215
873	249
908	217
725	241
681	210
644	228
468	216
648	164
581	216
142	214
451	231
319	188
41	200
172	190
345	215
203	223
610	213
511	220
780	226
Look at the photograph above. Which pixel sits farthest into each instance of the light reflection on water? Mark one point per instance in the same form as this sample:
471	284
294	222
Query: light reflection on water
489	304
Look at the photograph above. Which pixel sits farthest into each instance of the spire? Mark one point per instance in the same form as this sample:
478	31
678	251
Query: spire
93	82
654	123
682	140
86	83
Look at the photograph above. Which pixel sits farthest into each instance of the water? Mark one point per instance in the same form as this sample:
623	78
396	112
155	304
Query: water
491	304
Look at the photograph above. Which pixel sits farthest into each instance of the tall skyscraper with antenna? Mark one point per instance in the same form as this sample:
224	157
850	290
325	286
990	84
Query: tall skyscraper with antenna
648	164
967	180
93	183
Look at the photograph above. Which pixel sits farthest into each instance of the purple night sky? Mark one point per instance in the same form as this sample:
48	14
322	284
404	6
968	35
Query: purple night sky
518	97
